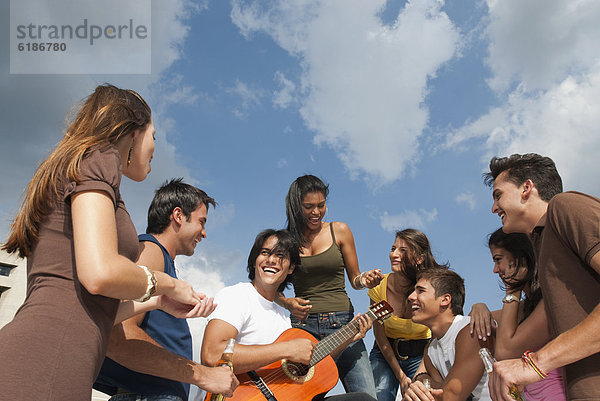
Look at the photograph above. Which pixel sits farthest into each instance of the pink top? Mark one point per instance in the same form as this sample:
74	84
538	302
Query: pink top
549	389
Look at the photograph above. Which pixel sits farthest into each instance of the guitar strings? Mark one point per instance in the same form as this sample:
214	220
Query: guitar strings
324	348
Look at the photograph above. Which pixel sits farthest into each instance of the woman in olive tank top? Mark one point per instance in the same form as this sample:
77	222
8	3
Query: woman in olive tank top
321	305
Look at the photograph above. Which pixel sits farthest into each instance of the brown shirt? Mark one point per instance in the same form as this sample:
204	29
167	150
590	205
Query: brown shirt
54	347
565	240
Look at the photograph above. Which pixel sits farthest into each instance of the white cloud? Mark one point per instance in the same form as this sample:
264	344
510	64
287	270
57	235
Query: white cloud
467	199
546	51
283	97
540	42
249	98
420	219
281	163
363	82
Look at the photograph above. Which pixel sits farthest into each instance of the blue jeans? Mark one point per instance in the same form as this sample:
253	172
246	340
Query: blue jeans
386	383
353	363
139	397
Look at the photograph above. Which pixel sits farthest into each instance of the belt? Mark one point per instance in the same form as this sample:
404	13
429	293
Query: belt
404	349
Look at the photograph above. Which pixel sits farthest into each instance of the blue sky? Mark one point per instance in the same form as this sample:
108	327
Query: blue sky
397	105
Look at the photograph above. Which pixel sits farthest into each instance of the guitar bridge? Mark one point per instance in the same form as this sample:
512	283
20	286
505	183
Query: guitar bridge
262	386
296	371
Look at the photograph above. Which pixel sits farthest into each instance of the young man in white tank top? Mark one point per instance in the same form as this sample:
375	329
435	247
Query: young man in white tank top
451	361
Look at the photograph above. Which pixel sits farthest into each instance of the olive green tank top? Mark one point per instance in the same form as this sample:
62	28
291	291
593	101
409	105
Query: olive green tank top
321	280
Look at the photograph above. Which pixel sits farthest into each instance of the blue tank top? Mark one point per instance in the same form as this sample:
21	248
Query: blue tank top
170	332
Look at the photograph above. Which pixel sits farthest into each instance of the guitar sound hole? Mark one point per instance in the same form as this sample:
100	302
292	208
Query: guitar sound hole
297	369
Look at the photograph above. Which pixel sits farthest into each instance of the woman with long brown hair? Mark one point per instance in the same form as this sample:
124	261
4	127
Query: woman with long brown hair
81	246
399	343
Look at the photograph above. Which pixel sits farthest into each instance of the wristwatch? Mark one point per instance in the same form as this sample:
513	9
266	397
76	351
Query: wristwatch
508	298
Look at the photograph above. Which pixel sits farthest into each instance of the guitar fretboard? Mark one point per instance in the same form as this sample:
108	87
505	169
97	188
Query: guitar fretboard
334	340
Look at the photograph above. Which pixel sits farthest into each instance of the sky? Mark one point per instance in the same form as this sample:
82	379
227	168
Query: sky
397	105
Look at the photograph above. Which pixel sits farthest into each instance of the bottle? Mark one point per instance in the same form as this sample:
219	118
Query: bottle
226	360
488	362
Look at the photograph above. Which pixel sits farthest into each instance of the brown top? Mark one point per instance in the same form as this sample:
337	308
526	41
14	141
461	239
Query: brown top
565	240
58	338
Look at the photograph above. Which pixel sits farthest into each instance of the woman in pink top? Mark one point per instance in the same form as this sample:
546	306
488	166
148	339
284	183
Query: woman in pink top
522	323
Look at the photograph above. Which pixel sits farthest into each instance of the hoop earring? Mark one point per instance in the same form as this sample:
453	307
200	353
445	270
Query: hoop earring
129	155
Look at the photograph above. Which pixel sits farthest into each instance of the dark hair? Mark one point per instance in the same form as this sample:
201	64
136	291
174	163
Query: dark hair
519	246
418	245
286	244
296	220
519	168
172	194
446	281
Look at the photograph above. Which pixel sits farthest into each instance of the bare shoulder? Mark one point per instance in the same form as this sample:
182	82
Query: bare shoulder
151	255
466	342
341	229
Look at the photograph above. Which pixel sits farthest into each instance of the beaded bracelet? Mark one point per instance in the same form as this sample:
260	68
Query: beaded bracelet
527	358
419	374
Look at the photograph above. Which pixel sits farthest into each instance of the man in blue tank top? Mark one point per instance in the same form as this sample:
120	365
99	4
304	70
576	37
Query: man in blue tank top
150	355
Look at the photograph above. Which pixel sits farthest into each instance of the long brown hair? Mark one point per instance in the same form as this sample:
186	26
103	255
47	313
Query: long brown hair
418	246
105	116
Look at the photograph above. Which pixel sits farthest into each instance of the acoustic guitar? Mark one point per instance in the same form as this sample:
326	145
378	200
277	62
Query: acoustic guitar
289	381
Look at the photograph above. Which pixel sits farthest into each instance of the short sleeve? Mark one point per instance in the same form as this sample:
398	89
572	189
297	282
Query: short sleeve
100	170
230	308
575	217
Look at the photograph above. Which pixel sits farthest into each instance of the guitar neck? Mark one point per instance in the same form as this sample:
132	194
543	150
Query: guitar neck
334	340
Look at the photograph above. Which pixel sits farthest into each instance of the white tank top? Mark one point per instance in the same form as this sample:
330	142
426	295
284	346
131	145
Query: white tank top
441	354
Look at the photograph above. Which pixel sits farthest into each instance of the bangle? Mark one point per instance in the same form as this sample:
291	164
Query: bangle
360	285
414	379
527	358
151	286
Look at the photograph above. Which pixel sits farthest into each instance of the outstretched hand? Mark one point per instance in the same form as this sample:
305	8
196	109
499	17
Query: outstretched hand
203	307
371	278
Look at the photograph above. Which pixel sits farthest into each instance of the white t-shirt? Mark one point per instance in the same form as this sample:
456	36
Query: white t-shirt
441	354
257	320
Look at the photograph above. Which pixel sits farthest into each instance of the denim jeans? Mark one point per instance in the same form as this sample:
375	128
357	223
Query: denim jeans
140	397
386	383
353	363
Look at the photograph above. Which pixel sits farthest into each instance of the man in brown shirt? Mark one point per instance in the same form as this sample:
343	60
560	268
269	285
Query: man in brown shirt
565	231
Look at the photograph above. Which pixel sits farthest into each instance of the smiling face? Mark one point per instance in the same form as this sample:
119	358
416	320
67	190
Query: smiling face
192	230
399	255
313	208
271	269
142	152
425	306
509	204
505	265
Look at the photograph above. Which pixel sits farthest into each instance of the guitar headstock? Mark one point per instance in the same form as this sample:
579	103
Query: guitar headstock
381	310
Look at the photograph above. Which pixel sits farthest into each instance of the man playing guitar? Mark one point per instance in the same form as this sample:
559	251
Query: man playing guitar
247	312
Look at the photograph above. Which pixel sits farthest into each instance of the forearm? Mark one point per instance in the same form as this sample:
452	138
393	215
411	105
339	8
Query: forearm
128	309
281	300
136	350
251	357
573	345
386	350
506	330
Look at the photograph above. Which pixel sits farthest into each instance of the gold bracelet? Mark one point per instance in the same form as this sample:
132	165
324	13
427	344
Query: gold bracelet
151	286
